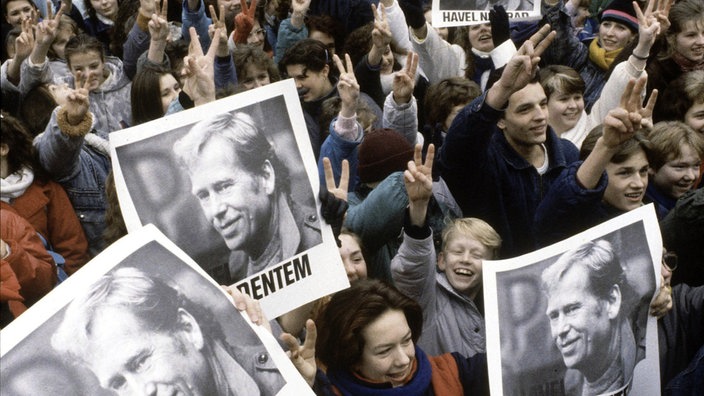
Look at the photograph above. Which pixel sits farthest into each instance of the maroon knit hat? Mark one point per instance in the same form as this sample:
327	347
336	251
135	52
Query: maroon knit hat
382	152
621	11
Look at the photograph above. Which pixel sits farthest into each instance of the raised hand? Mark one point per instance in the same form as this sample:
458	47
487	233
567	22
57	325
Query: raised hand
158	24
299	9
499	25
77	101
338	190
381	35
648	29
219	23
521	68
418	178
621	123
197	73
24	43
347	86
46	29
244	22
661	12
303	356
405	79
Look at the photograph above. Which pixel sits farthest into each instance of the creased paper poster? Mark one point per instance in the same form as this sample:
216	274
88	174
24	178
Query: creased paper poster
142	318
234	184
572	318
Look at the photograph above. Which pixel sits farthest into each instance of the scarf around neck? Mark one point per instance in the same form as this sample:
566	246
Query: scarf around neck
349	385
14	185
685	64
600	56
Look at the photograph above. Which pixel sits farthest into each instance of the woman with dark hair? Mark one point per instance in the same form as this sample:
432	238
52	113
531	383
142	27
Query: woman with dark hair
310	64
154	94
27	190
365	343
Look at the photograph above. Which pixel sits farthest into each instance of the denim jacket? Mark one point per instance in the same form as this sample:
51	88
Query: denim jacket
80	165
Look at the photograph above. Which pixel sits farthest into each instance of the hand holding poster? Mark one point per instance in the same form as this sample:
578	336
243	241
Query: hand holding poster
142	318
574	317
448	13
233	183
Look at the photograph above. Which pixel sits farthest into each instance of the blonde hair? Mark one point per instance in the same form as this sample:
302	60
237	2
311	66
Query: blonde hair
473	228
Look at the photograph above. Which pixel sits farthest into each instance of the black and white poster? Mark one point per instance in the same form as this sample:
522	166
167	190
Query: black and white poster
142	318
234	184
447	13
574	316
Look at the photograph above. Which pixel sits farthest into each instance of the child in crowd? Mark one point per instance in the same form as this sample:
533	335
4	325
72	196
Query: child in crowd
676	156
453	309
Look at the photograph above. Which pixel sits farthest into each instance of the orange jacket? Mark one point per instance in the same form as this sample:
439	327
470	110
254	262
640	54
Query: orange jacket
32	265
47	207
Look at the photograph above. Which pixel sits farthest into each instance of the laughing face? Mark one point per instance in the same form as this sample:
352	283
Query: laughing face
388	351
678	175
565	110
580	322
627	182
461	260
480	37
690	41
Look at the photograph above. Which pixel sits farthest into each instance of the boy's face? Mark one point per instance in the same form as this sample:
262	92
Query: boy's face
461	260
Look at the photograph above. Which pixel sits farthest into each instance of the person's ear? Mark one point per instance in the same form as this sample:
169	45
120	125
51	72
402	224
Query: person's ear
190	328
501	124
614	302
268	178
326	70
4	149
441	261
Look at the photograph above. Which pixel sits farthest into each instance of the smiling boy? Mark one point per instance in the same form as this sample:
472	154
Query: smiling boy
451	298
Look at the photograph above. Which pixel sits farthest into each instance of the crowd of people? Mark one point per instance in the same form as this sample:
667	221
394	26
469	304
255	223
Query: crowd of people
439	147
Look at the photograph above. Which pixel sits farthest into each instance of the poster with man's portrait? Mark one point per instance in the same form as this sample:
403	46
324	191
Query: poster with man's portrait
234	183
142	318
448	13
574	316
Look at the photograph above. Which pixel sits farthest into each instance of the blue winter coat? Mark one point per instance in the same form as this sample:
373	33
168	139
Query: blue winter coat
491	181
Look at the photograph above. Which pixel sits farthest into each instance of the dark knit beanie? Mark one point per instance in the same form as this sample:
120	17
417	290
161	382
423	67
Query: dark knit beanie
621	11
382	152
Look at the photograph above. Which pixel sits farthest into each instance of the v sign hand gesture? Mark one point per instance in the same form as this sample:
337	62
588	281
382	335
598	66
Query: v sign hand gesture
347	86
244	22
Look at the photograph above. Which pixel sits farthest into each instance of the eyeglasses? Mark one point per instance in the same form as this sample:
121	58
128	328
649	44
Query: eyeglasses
669	259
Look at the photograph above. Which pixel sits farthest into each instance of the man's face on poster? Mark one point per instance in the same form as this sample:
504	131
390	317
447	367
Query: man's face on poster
580	322
236	202
132	359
